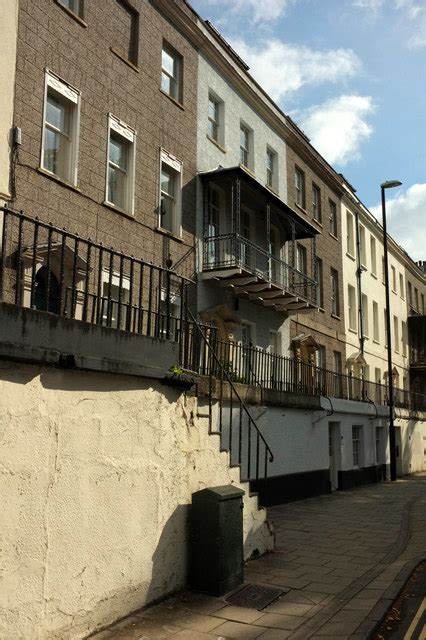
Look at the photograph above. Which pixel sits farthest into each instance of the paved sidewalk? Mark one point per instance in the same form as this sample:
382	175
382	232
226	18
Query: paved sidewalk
341	560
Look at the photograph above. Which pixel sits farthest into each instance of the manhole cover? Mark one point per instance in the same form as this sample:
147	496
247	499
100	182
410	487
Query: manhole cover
255	596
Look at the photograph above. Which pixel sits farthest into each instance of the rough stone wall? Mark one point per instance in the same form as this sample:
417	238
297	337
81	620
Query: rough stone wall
97	472
48	37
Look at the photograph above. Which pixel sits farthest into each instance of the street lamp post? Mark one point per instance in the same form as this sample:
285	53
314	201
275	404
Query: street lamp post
390	184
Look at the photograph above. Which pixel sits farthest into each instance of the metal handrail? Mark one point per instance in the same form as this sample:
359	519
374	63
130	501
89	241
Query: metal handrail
224	374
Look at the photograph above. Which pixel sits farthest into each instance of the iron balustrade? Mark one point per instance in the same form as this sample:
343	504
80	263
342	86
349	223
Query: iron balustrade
233	250
248	364
51	269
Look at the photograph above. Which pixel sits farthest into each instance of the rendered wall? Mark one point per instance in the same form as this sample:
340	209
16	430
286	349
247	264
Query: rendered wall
9	29
97	472
413	445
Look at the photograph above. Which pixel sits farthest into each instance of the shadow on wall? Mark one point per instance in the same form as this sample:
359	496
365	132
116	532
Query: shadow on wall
170	558
15	373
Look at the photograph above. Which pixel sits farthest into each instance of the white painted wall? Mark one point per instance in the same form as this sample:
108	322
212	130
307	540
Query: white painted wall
9	31
413	445
373	287
97	475
210	156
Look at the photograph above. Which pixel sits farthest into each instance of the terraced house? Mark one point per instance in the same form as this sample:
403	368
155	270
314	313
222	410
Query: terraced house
175	309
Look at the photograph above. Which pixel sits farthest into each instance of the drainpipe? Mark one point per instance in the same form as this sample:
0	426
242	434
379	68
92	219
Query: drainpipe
359	288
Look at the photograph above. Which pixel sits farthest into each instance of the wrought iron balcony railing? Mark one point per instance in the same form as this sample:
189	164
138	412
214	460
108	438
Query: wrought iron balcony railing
234	251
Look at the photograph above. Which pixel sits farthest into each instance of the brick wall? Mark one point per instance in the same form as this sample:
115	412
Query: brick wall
326	329
50	38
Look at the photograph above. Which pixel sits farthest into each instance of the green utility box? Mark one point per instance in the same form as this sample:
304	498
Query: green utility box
217	540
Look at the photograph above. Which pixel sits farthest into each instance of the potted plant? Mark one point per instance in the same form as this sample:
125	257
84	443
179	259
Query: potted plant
179	378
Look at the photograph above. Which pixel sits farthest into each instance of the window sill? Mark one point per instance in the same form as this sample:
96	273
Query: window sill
252	173
393	291
376	341
123	59
122	212
169	234
272	190
335	316
321	309
374	275
353	330
59	180
216	144
318	223
349	255
301	208
333	236
176	102
72	14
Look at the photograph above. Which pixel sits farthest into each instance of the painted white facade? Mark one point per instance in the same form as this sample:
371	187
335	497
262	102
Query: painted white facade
234	110
372	286
97	476
9	31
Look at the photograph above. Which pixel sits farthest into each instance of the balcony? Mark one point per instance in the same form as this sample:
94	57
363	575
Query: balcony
417	342
256	244
254	272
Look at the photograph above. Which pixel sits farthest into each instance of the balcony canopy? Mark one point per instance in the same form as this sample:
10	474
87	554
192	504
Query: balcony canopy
303	228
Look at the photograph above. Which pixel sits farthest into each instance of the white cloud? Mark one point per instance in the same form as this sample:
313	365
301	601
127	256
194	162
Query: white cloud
282	69
406	218
338	127
264	11
372	5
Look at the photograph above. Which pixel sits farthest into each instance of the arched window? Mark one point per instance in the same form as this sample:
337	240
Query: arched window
43	301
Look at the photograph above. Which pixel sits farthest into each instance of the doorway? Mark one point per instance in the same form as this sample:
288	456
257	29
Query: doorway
398	450
334	452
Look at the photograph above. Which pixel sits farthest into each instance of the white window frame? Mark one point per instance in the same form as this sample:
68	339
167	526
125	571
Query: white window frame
115	282
316	206
352	314
357	438
300	187
350	241
334	292
271	168
176	166
364	311
404	338
248	149
373	256
401	286
73	96
129	136
219	121
177	76
333	218
396	334
362	246
393	272
376	328
78	10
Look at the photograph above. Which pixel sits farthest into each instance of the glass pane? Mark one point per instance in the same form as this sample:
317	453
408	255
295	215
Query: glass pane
243	138
118	151
212	109
116	187
212	129
57	113
56	153
167	182
166	84
167	208
168	63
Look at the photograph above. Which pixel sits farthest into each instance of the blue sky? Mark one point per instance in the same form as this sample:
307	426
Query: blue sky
352	73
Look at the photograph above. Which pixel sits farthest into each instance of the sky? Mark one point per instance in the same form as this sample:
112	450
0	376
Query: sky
352	74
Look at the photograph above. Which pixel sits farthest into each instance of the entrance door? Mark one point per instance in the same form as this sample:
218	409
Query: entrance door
334	452
398	447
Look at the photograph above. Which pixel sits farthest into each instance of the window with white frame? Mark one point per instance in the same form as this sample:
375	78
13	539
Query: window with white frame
316	203
334	286
299	186
320	284
376	334
373	255
352	308
357	445
404	338
362	247
245	135
171	72
75	6
114	303
396	334
393	271
59	151
170	193
215	119
333	218
350	244
401	286
271	169
364	311
121	165
386	327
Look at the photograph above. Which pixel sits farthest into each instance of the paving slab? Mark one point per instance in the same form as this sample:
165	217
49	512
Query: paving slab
341	560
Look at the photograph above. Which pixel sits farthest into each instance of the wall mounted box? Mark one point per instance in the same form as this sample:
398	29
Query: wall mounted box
217	539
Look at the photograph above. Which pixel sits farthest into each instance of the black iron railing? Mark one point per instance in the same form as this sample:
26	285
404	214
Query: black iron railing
251	365
51	269
233	250
231	418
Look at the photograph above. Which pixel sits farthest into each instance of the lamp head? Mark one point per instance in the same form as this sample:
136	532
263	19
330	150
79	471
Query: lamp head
390	184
